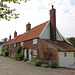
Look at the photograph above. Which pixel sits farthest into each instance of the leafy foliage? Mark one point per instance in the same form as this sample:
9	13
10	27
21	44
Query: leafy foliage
18	57
38	62
72	40
6	12
25	59
5	50
19	49
52	64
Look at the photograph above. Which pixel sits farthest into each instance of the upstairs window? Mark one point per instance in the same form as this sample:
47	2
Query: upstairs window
21	43
34	41
14	45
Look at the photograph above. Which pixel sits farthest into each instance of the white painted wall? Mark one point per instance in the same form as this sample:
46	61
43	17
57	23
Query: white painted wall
66	61
1	47
29	52
46	32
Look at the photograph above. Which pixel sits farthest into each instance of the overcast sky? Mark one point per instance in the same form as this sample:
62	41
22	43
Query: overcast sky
37	12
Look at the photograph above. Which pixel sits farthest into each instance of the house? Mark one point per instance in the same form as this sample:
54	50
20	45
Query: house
42	38
1	47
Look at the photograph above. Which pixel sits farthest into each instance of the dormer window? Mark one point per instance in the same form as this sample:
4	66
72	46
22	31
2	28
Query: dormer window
21	43
34	41
14	45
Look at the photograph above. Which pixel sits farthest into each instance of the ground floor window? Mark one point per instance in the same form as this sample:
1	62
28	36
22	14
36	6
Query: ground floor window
14	51
34	53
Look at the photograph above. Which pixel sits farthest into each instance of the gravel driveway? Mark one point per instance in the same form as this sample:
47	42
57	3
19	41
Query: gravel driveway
9	66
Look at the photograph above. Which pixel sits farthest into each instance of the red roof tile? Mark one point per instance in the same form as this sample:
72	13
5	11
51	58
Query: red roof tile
61	45
33	33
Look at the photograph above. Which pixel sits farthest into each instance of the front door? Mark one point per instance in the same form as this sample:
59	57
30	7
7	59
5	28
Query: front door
25	53
29	53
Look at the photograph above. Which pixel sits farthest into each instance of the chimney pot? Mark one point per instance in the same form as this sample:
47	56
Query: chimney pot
52	6
28	26
9	37
15	34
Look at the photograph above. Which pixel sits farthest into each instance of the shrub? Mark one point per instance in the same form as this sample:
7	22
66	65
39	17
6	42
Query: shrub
44	65
1	54
18	57
19	49
38	62
52	64
25	59
6	53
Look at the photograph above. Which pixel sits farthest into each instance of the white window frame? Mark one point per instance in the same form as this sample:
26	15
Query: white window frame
9	45
22	43
35	53
34	41
15	45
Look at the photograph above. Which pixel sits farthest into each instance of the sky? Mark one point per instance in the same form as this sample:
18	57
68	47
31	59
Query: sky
37	12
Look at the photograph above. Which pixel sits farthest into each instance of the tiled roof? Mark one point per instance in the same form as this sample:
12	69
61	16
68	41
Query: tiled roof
33	33
61	45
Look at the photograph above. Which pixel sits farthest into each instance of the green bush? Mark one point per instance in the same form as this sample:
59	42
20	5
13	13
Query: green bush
44	65
52	64
6	53
18	57
1	54
25	59
38	62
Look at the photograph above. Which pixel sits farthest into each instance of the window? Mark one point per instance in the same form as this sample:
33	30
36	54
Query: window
65	54
14	45
14	51
9	45
21	43
34	52
34	41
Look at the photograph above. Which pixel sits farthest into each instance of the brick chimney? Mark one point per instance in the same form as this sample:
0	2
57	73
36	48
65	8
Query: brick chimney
9	37
53	24
28	27
15	34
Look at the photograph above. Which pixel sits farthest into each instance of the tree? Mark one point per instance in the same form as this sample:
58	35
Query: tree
6	12
72	40
4	40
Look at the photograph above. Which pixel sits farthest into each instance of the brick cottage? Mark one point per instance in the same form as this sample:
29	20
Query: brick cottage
43	38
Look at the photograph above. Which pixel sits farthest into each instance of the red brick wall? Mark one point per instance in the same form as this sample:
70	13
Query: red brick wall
41	47
53	24
28	27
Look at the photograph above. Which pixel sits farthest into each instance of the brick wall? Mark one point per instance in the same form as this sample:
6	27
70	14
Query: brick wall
41	47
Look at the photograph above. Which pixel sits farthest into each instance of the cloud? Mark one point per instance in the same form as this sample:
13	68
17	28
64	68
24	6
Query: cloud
37	12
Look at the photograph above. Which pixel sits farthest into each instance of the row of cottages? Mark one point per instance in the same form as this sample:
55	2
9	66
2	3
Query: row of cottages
43	38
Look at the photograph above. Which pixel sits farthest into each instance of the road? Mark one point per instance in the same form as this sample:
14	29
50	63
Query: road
9	66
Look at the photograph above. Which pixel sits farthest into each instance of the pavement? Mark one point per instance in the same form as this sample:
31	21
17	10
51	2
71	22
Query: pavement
9	66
